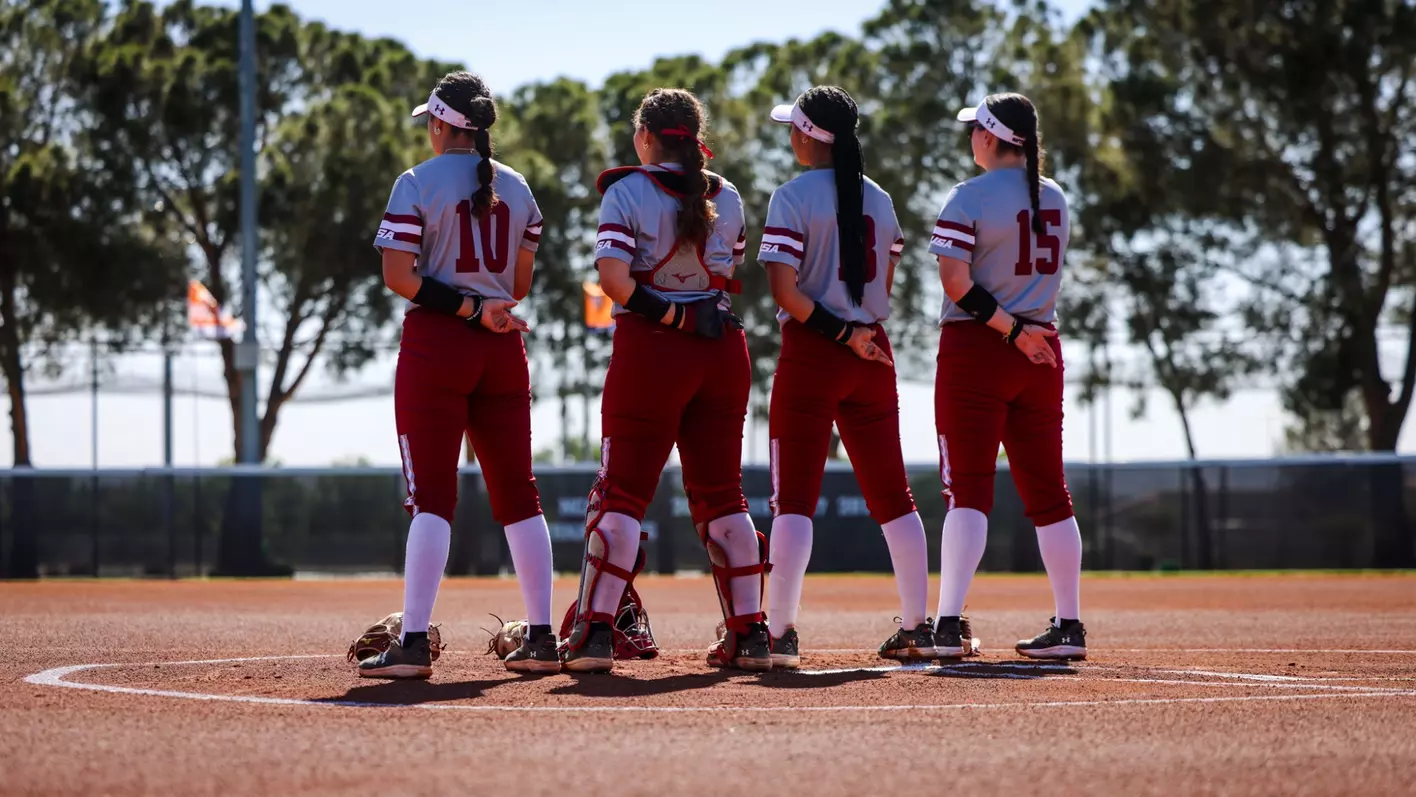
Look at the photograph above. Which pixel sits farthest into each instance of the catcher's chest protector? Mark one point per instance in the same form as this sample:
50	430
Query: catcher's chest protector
683	270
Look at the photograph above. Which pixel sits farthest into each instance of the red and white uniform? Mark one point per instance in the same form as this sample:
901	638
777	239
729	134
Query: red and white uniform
819	381
454	378
987	392
666	386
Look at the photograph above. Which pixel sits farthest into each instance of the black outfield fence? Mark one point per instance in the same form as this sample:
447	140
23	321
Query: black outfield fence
1296	513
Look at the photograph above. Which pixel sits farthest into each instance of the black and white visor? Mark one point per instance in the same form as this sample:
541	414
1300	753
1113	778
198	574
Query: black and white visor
986	120
795	116
438	108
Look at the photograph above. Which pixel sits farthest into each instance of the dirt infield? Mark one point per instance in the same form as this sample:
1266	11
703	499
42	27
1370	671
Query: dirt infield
1292	685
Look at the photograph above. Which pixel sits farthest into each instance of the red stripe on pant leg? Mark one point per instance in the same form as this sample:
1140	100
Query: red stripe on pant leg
970	410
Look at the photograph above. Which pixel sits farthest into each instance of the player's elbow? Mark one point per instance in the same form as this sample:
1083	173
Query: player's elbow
615	279
954	275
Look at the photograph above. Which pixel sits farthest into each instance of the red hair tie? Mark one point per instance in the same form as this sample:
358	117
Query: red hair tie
680	132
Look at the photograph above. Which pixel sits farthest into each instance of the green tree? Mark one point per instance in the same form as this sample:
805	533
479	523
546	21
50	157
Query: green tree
1287	122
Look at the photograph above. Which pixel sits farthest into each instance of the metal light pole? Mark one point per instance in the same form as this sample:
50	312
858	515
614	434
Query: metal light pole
247	351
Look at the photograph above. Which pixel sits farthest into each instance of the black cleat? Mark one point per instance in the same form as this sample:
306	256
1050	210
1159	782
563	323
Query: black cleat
753	653
597	654
954	639
906	644
1068	643
414	661
537	654
786	654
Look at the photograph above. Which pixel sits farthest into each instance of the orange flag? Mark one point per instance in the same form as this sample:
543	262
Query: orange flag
598	307
205	316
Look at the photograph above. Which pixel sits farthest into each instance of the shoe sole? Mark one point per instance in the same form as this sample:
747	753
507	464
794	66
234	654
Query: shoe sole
1055	653
744	663
589	665
537	667
398	671
910	654
972	649
781	661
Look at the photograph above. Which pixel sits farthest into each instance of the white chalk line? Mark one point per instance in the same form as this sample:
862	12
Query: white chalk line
1295	651
57	677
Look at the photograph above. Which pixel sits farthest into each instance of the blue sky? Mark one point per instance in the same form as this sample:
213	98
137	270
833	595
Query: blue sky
512	44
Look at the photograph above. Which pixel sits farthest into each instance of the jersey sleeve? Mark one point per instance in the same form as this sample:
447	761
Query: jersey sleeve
954	231
402	224
897	244
784	236
615	237
531	238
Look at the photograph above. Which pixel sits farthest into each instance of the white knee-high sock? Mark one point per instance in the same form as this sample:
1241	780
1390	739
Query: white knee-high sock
530	544
1061	547
910	558
424	560
789	551
738	537
960	551
622	534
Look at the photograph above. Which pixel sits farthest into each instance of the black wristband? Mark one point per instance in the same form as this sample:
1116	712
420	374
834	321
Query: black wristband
476	318
978	303
435	295
1013	333
828	324
648	302
680	310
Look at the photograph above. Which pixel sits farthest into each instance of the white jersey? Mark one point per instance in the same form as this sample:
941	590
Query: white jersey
801	232
987	223
639	225
430	214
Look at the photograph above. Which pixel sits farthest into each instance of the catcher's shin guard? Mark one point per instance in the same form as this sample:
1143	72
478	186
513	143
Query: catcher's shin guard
723	653
633	636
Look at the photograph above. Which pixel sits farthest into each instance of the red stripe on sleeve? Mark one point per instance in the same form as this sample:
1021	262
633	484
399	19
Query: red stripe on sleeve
408	238
621	245
532	237
783	231
954	225
397	218
619	228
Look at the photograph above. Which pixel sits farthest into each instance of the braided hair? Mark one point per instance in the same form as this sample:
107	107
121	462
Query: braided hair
677	109
1019	114
468	94
832	109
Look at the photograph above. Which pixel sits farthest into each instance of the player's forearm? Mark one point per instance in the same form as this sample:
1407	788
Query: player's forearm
401	277
962	291
619	285
525	268
786	294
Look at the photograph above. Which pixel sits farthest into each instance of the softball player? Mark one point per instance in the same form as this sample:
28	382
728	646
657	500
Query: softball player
1001	239
670	236
830	247
459	242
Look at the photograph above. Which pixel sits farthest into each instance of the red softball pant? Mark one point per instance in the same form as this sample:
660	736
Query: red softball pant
986	393
455	379
664	387
820	382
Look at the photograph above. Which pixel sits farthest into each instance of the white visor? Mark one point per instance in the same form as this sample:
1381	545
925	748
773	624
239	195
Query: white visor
794	115
990	123
438	108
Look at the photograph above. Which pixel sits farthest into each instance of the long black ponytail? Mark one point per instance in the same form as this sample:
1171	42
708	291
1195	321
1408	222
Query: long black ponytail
468	94
832	109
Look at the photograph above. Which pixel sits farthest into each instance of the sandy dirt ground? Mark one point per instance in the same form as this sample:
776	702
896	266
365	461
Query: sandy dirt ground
1196	685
